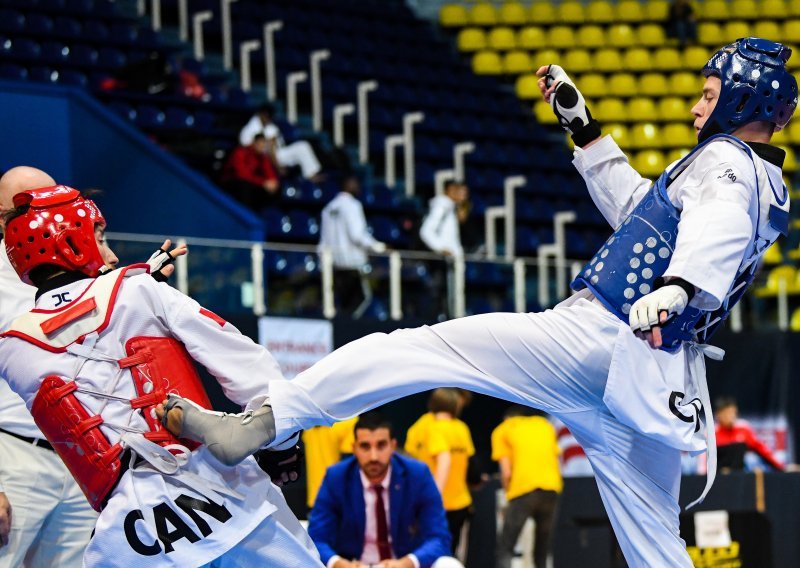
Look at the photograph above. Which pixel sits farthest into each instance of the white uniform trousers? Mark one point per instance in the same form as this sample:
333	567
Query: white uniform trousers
557	361
301	154
51	520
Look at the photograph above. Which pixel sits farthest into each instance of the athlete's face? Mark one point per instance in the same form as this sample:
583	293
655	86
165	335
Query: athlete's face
708	101
106	253
726	417
373	449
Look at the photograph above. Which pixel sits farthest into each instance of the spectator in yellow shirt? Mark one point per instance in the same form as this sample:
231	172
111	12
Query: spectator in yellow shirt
526	448
324	446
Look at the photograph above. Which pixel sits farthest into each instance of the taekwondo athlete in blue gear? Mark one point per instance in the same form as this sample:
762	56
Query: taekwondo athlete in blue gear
632	405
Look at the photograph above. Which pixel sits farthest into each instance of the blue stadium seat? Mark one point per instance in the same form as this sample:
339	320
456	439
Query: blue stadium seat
11	21
124	110
178	117
83	55
68	27
13	71
38	24
72	77
111	58
40	74
148	116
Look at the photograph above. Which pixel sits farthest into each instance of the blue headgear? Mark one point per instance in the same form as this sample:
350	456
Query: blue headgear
755	85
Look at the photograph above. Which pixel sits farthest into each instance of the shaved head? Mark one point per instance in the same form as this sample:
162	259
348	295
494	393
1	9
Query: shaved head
20	179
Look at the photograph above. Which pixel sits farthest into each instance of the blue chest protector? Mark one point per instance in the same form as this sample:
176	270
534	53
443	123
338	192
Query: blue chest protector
640	250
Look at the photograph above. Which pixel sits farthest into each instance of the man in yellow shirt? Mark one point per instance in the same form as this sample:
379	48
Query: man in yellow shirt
324	446
527	449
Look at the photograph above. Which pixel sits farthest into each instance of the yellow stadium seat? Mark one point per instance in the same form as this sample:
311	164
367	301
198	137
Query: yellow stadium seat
571	12
677	154
794	62
637	59
453	16
645	135
780	137
531	38
793	132
483	14
794	9
783	276
619	132
527	86
673	108
710	34
736	29
592	85
607	60
487	62
774	9
649	163
545	57
773	255
656	10
642	109
501	38
745	9
695	57
686	84
560	37
513	14
677	134
667	59
621	35
653	84
591	36
768	29
610	110
544	113
794	322
623	85
516	62
791	32
577	61
715	10
630	11
542	13
471	39
790	162
651	35
600	12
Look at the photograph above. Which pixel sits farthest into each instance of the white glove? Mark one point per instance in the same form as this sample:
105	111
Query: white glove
157	261
646	310
570	108
378	247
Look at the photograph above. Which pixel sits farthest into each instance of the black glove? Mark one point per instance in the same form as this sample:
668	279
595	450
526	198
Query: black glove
570	108
157	261
283	466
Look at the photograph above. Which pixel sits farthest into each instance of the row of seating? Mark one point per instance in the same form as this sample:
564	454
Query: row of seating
625	85
590	36
604	12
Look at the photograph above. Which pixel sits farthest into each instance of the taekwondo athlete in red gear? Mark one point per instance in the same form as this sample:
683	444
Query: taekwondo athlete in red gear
621	362
91	362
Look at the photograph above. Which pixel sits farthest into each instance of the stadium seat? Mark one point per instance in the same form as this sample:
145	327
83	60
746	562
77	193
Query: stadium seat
642	109
630	11
774	9
717	10
695	57
651	35
600	12
542	13
619	132
501	38
471	39
592	85
677	154
790	162
621	35
794	322
560	37
678	134
649	163
673	108
656	10
453	16
745	9
653	84
545	57
607	60
516	62
644	135
784	276
483	14
621	84
791	32
591	37
577	61
513	14
637	59
571	12
686	84
610	110
544	113
773	255
667	59
710	34
531	38
768	29
487	62
736	29
527	86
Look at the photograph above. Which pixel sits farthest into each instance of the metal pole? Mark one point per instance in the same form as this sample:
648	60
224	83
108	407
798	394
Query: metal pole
520	303
511	183
269	57
459	151
459	303
492	215
328	303
315	59
155	15
245	48
339	112
560	219
182	270
183	20
783	306
257	262
197	24
409	120
292	79
543	253
390	144
364	88
439	179
227	34
395	286
736	318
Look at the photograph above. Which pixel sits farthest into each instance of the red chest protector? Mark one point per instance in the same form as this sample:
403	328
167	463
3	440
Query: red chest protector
158	366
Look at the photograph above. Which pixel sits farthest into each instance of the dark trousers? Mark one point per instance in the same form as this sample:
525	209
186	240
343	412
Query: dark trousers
455	521
539	505
349	291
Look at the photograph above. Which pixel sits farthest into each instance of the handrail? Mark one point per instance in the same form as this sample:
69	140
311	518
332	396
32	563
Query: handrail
269	57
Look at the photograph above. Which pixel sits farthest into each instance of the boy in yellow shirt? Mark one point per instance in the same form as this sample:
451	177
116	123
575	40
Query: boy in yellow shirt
324	446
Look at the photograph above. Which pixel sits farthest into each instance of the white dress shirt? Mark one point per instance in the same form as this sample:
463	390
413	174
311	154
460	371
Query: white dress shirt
344	231
440	230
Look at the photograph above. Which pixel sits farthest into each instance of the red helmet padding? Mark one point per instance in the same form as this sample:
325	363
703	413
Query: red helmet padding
58	229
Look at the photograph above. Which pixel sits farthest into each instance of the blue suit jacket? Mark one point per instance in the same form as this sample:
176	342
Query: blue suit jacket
417	525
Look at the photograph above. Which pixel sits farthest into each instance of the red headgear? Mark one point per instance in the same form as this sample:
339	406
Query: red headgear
57	229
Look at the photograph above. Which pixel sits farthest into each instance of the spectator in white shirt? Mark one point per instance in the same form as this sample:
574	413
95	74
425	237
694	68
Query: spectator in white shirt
345	233
298	153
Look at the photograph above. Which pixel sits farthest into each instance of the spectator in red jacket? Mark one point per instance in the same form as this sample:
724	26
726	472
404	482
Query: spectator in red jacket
250	175
735	438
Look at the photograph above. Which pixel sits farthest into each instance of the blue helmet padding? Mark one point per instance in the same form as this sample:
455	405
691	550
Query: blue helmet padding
755	85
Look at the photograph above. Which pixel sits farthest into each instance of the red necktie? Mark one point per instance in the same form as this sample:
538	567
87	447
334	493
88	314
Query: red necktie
384	550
